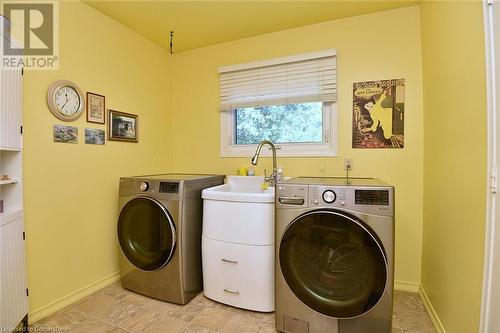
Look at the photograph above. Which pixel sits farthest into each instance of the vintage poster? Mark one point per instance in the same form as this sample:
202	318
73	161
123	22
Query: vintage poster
378	114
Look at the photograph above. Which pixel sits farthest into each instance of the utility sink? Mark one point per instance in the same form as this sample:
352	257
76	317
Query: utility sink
238	243
241	189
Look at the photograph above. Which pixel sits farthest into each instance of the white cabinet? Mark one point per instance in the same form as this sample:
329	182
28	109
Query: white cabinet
13	287
13	284
10	106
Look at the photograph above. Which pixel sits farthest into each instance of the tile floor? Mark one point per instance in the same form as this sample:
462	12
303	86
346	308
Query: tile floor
116	310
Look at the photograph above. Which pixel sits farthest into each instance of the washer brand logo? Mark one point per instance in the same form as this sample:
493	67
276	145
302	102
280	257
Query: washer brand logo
30	38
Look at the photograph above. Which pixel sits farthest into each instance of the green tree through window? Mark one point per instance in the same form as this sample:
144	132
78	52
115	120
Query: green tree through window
289	123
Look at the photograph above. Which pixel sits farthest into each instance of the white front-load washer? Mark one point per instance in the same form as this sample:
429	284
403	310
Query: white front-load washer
334	255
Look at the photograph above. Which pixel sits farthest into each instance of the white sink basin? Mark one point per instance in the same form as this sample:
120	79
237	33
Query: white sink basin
240	189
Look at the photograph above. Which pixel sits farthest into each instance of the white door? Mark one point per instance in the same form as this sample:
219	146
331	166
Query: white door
490	320
13	293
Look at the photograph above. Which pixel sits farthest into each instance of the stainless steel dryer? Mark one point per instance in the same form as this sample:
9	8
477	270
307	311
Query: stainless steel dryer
159	231
334	255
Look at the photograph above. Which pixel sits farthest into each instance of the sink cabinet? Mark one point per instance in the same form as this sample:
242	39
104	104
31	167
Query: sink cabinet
238	244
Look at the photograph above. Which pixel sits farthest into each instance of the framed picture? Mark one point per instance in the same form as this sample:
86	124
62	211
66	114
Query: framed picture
96	106
122	126
94	136
65	134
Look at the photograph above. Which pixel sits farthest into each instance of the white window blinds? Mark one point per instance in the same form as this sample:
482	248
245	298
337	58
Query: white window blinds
304	78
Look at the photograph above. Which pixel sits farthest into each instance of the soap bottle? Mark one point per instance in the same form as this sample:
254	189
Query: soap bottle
279	174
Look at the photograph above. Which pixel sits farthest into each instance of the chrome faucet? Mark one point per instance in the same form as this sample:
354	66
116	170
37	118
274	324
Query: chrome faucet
273	179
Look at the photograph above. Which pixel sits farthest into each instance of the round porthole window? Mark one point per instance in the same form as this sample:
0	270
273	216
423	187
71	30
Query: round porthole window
333	263
146	233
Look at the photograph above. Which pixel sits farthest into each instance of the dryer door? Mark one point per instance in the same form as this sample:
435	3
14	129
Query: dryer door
146	233
333	263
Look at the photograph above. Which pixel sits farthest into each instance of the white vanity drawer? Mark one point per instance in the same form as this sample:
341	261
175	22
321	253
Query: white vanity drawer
255	294
238	260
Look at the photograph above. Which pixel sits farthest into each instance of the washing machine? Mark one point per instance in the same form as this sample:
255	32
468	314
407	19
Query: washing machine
159	232
334	255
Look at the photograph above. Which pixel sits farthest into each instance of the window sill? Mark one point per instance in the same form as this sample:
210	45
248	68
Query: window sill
296	152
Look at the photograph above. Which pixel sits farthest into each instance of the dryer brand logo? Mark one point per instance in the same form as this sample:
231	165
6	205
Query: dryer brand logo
30	35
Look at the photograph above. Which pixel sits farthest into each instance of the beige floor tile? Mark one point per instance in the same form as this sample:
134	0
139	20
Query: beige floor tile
408	302
212	318
254	314
95	303
67	317
165	324
415	321
158	306
115	291
396	322
266	327
139	320
241	323
117	313
202	299
95	325
227	321
193	328
114	306
136	299
269	318
186	312
220	306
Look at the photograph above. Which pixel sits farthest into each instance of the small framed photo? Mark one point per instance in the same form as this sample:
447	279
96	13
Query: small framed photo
94	136
65	134
96	106
122	126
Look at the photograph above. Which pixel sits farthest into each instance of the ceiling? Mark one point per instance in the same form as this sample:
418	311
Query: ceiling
201	23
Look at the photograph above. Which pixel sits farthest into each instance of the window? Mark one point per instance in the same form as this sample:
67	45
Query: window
290	101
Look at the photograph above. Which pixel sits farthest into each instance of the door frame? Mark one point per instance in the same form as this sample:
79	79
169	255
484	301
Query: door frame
491	285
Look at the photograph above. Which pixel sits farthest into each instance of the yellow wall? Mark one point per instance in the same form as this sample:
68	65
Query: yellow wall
72	190
384	45
454	161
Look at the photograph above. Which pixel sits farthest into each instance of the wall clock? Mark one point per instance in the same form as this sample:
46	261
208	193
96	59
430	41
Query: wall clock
65	100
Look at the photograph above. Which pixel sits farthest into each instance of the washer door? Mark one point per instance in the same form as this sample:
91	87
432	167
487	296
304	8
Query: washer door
146	233
333	263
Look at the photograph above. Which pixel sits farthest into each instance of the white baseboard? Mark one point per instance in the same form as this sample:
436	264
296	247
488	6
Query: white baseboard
430	310
411	287
69	299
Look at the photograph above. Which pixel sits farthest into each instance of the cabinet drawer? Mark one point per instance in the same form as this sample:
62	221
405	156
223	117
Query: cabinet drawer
255	294
238	260
239	222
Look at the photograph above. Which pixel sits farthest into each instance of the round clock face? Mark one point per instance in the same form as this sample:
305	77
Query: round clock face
65	100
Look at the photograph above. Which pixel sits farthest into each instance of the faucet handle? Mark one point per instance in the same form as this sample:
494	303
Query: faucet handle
265	175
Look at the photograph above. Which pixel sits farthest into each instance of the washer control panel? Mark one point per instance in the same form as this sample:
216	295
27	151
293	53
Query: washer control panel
376	200
367	199
327	196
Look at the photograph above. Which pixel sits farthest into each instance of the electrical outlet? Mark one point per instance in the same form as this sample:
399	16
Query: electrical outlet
347	163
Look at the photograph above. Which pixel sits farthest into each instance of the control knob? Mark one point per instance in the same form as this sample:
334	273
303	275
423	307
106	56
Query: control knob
144	186
329	196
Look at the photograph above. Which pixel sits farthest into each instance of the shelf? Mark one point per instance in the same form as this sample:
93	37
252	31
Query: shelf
10	149
10	215
10	181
